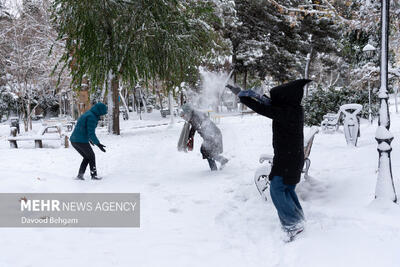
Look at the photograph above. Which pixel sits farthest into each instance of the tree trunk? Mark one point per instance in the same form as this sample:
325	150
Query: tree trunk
60	105
307	70
171	109
234	64
72	106
29	121
245	80
396	91
125	105
160	98
143	100
182	99
25	124
113	105
128	98
134	100
244	87
139	102
235	98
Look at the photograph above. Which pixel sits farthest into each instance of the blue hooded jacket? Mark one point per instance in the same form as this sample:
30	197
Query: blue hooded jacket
86	125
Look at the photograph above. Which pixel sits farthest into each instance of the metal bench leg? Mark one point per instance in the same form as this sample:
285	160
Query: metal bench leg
307	163
13	144
66	141
38	144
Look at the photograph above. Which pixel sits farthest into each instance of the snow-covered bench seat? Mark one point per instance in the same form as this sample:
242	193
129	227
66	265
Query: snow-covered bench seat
308	142
261	175
40	136
38	139
330	121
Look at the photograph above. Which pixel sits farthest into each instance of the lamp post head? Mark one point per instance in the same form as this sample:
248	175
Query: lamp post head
369	50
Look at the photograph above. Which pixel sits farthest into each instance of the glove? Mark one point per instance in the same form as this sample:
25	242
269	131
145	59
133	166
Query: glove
190	143
90	142
235	90
101	147
262	99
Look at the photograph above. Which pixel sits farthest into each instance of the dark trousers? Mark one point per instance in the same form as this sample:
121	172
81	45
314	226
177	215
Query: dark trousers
286	203
212	152
87	153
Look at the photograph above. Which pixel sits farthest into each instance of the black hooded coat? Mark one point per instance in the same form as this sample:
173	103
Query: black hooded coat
287	114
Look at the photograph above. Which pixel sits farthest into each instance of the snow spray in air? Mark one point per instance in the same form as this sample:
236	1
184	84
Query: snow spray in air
212	89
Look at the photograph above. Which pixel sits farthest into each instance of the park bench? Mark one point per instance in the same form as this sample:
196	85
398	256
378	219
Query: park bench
261	178
330	122
165	112
351	125
351	122
38	140
63	122
40	137
69	125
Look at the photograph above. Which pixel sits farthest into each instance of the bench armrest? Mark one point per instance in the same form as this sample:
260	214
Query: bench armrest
265	157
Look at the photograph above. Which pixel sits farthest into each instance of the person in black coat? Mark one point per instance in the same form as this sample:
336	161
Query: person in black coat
287	114
212	146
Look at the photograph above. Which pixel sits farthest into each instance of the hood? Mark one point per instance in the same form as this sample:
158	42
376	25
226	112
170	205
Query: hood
187	108
99	109
289	93
187	111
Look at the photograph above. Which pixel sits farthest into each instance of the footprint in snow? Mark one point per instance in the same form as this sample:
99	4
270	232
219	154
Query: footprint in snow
241	198
200	201
175	210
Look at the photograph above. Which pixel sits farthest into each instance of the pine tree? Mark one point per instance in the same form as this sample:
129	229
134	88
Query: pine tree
131	40
271	40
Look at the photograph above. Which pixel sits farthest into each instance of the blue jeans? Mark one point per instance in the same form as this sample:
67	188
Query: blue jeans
286	203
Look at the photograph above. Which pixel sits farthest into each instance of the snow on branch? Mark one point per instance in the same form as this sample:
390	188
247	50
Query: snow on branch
327	10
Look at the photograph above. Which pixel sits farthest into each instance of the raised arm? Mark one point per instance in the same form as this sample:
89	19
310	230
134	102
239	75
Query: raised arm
259	103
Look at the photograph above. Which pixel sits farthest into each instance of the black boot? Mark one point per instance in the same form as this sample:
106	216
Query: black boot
224	161
80	177
221	160
94	175
213	165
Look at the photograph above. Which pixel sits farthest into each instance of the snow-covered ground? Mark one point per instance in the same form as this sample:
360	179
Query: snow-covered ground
193	217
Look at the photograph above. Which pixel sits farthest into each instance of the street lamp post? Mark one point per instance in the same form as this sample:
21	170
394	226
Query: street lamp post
384	186
369	50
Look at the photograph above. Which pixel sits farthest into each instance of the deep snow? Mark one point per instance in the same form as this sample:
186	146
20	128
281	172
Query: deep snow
192	217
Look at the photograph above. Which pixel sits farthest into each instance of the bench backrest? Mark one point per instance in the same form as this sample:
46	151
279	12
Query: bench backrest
308	141
332	118
45	128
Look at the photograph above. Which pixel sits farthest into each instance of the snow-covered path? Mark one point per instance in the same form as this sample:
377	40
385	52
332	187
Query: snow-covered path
192	217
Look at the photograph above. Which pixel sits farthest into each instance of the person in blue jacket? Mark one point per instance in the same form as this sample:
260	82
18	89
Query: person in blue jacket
84	133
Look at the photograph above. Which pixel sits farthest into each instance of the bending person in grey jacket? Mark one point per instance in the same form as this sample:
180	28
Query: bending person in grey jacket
212	147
